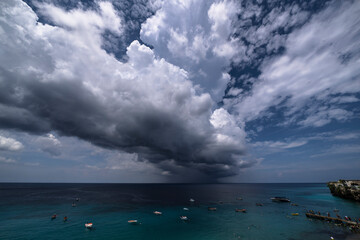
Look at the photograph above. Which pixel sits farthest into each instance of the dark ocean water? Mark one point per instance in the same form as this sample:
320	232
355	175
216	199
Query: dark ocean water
26	209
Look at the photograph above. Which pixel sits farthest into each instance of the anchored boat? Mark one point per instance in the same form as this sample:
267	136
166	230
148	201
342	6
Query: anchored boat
280	199
240	210
89	225
134	222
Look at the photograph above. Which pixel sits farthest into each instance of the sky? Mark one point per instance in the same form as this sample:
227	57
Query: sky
148	91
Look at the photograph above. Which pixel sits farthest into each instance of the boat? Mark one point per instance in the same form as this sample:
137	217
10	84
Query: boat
89	225
191	200
133	222
184	218
157	213
295	214
73	205
259	204
239	198
211	208
294	204
240	210
280	199
53	217
185	209
77	199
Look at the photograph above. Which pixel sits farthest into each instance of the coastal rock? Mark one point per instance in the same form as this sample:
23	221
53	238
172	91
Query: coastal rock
349	189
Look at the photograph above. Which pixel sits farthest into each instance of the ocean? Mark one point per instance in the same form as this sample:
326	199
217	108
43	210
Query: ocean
26	210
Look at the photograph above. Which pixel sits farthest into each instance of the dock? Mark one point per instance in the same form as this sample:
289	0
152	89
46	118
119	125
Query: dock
353	224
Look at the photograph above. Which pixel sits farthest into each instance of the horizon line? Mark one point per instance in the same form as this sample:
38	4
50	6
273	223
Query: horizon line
167	182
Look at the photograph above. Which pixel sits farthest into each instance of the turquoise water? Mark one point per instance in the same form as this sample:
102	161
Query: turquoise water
26	209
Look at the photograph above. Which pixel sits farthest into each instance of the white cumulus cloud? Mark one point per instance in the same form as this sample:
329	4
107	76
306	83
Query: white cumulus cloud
10	144
197	36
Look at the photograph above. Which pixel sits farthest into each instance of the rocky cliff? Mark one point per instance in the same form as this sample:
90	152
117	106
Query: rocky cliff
349	189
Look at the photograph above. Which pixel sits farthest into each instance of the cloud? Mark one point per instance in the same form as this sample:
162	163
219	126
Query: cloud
124	161
88	21
262	31
345	99
10	144
6	160
321	61
347	136
339	149
50	144
61	79
323	137
318	116
337	135
280	145
197	36
221	15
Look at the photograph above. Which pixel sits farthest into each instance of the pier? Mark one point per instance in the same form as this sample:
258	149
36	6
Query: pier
352	224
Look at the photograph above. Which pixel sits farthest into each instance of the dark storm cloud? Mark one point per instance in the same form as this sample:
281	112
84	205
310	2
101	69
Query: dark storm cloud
71	110
38	107
12	114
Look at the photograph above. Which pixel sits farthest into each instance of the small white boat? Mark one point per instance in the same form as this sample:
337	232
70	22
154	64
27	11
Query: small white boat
133	222
186	209
184	218
89	225
157	213
192	200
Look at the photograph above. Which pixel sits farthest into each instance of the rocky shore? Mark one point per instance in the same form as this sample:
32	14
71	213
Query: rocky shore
349	189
